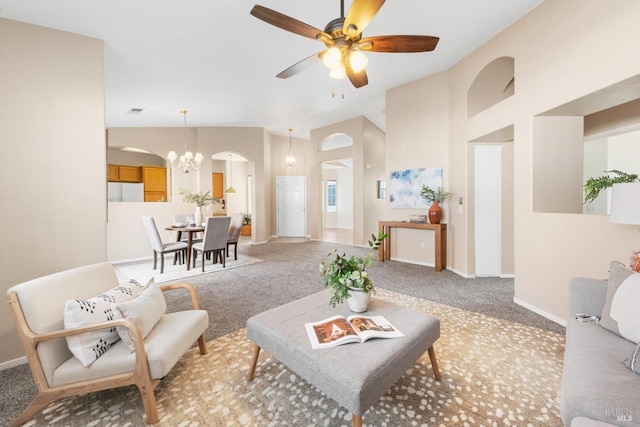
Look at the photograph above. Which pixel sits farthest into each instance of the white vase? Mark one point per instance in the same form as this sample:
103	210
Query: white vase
359	300
198	216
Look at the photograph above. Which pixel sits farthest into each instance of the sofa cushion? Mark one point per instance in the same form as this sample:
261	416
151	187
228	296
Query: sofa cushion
88	347
633	362
169	339
618	273
145	309
595	382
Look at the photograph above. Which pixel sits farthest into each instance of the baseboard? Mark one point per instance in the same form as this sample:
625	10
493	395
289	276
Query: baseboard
507	276
124	261
542	313
411	261
13	363
461	274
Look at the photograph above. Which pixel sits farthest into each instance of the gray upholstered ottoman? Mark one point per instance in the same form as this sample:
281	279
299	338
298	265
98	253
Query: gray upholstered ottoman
354	375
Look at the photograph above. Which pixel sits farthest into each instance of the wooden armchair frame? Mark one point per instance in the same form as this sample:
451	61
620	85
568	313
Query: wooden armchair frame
141	376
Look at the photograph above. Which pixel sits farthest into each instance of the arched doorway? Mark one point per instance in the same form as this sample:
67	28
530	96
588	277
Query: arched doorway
232	183
337	190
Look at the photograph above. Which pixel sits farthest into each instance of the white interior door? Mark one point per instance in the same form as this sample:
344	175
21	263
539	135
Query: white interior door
488	209
291	206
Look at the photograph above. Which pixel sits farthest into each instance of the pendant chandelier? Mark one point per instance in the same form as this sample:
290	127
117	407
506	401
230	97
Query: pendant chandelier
187	162
230	190
291	156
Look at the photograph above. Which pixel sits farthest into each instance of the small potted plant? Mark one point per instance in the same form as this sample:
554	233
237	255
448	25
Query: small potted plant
246	225
435	197
347	278
200	199
594	186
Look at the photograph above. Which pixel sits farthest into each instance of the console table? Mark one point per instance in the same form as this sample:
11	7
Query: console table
440	240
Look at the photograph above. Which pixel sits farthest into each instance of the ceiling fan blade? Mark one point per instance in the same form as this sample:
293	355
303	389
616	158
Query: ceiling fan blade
359	16
302	65
358	79
286	22
399	43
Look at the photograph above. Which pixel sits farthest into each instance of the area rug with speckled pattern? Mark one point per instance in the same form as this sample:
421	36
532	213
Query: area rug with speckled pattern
494	372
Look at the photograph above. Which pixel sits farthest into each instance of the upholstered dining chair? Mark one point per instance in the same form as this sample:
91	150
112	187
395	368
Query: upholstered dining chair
215	240
158	247
234	233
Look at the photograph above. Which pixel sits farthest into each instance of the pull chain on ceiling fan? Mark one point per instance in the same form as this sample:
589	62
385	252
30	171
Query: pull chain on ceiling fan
343	40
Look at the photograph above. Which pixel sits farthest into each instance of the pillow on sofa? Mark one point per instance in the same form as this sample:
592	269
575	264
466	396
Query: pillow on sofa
625	308
146	310
634	362
88	347
618	273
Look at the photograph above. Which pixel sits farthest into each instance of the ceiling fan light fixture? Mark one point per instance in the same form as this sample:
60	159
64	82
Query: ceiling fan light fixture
358	61
332	58
342	36
338	72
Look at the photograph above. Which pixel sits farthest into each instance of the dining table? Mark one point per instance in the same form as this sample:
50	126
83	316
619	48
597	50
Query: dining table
191	230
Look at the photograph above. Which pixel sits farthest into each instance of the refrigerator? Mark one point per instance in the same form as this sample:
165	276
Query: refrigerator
125	192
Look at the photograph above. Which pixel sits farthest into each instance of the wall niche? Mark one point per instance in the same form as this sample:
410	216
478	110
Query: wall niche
493	84
565	140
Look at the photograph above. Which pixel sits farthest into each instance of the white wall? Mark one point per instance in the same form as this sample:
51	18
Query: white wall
52	142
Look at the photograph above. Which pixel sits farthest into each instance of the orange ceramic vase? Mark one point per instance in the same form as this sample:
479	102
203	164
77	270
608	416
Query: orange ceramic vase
435	213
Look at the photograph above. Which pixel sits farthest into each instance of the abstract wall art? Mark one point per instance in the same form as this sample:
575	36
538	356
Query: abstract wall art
405	185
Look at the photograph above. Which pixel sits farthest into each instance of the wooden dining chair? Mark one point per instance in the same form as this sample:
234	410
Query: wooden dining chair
215	240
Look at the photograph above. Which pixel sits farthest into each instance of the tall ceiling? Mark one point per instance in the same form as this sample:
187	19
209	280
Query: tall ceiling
217	61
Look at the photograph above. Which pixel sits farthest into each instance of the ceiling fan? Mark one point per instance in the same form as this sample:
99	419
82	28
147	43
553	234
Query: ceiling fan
343	40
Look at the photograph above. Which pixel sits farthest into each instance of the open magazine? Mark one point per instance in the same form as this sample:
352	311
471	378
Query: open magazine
339	330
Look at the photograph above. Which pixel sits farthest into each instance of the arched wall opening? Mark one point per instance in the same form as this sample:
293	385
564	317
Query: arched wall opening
493	84
337	189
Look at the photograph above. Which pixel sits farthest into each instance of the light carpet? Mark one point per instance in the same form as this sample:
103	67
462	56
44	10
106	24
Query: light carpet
494	372
143	271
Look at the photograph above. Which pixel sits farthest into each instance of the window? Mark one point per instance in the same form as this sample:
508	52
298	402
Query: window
331	196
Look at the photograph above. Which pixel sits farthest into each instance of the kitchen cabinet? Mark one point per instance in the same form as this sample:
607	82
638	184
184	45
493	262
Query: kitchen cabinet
155	183
218	185
112	173
122	173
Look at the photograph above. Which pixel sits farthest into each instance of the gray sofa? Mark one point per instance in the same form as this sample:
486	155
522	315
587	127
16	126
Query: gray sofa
596	385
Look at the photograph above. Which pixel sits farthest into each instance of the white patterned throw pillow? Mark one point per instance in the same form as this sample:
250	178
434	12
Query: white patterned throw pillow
618	273
146	309
625	308
88	347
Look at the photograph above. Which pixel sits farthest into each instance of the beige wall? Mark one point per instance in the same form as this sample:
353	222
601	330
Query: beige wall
124	219
367	144
597	45
305	161
375	170
417	136
52	142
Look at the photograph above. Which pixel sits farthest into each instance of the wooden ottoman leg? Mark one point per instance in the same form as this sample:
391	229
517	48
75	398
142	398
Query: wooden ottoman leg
434	363
254	361
356	420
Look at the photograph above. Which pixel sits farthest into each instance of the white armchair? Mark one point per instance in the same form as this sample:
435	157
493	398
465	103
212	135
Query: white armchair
38	306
